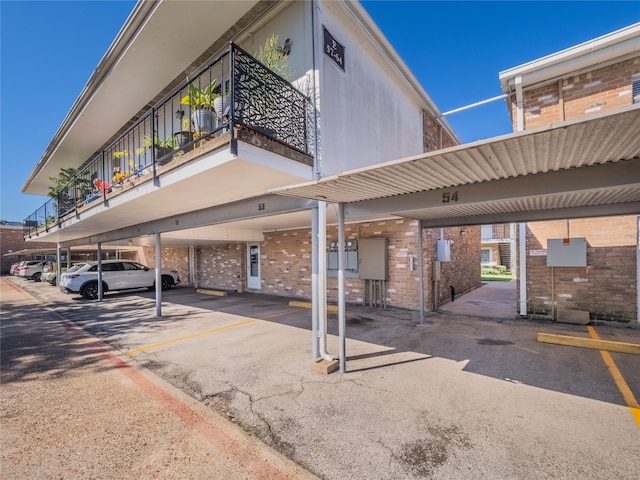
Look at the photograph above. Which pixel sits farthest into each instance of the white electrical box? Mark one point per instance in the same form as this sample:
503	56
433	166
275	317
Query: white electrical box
567	252
444	250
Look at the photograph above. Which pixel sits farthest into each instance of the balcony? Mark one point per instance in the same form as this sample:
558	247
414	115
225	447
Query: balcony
233	100
496	233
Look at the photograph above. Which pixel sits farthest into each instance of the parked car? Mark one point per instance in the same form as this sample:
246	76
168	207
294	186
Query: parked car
14	267
116	275
50	272
31	269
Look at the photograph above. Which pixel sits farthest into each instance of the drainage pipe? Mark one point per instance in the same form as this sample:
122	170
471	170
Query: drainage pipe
522	274
341	302
421	270
315	349
322	280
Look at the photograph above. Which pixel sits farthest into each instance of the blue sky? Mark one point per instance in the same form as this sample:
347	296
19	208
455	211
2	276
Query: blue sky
455	49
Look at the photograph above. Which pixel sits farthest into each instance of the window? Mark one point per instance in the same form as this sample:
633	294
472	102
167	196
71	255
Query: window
107	267
133	266
635	88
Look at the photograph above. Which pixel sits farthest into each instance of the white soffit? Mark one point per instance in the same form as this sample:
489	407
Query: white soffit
601	139
137	66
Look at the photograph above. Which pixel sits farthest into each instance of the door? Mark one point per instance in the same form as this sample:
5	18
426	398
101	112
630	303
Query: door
136	275
253	266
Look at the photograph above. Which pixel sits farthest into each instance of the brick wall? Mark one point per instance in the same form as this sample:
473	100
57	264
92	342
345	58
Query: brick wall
174	258
606	288
430	134
222	267
463	272
285	263
11	240
579	95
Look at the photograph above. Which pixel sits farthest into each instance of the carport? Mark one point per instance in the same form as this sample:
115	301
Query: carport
572	169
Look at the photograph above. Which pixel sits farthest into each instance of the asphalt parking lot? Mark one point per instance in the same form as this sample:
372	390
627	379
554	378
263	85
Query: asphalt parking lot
460	397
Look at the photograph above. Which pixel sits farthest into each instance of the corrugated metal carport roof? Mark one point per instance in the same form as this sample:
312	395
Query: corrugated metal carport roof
565	165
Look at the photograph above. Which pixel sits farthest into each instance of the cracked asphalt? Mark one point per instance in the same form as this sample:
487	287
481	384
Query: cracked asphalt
460	397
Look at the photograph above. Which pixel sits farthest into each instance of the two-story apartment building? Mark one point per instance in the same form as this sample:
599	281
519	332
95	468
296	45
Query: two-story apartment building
179	140
578	268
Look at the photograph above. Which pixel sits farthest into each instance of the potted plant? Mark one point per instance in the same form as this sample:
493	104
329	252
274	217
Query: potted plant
186	135
202	107
161	148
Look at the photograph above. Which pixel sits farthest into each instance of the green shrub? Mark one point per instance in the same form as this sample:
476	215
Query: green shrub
493	270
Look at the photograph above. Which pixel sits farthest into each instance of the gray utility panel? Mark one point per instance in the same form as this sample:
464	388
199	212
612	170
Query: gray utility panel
567	252
372	258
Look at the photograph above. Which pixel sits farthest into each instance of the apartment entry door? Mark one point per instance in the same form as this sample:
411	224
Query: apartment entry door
253	266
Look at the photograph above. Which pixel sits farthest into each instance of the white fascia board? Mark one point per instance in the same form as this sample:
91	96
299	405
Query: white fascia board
605	49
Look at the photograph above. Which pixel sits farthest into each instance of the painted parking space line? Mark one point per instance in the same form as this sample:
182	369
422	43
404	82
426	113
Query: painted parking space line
207	332
619	380
188	337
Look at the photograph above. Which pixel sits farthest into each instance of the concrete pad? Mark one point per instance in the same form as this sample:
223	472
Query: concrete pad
321	365
575	317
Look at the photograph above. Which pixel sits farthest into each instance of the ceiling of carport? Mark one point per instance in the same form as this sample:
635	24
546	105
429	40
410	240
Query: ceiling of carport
559	168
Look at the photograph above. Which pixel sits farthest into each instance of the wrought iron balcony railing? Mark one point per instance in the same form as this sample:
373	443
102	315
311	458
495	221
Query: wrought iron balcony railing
494	233
233	91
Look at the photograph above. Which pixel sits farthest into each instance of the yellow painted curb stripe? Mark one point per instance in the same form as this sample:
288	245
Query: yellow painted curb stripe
293	303
156	345
594	343
622	385
216	293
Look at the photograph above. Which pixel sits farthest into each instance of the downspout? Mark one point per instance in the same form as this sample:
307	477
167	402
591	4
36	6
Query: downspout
519	105
341	302
315	348
523	226
421	270
319	294
522	254
322	280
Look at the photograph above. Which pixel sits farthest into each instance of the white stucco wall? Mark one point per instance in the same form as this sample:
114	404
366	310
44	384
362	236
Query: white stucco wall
293	22
367	115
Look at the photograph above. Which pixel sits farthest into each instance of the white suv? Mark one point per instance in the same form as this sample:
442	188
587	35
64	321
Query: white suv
30	269
116	275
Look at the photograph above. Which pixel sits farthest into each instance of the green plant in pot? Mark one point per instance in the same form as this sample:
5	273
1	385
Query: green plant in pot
62	191
185	135
265	94
161	147
201	103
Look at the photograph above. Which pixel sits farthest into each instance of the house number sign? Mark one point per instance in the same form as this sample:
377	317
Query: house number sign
333	48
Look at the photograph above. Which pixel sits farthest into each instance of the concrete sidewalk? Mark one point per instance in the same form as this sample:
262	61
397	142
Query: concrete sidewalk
491	300
460	397
72	408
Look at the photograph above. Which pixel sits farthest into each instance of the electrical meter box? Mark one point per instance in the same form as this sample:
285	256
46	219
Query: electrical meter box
444	250
567	252
372	258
